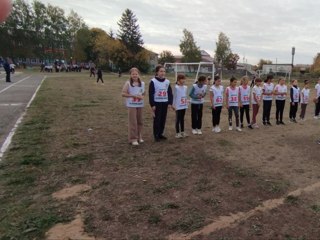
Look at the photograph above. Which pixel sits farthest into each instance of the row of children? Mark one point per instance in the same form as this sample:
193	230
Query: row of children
161	97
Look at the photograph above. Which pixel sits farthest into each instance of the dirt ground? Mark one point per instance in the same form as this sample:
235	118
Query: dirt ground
181	185
178	187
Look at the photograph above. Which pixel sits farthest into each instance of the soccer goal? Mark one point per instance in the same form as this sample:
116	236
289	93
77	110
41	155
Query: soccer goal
191	69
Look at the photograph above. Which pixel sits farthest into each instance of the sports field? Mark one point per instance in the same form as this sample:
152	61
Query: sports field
71	174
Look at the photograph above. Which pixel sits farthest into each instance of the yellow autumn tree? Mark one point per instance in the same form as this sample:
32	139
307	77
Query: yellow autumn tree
316	64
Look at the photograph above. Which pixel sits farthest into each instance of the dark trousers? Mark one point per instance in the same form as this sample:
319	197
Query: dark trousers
303	110
196	116
245	109
236	113
266	110
8	76
216	116
180	120
293	110
317	110
279	109
99	78
159	120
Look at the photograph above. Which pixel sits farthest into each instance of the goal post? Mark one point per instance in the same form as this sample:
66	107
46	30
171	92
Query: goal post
197	68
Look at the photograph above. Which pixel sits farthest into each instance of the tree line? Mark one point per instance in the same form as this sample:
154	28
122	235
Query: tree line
46	32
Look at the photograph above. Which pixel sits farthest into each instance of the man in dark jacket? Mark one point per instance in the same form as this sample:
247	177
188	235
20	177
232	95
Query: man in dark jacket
6	67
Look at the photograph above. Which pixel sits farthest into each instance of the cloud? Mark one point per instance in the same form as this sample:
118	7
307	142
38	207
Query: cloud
256	29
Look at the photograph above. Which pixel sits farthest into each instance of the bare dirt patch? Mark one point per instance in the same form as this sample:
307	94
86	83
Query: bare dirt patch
70	231
72	191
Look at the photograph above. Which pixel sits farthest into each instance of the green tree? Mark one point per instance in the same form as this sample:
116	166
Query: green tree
81	45
223	49
262	62
16	34
232	60
129	32
190	51
166	56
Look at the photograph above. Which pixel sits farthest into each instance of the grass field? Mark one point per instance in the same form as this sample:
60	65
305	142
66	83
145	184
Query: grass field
75	134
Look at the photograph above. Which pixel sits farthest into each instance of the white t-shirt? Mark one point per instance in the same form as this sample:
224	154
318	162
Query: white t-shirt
267	88
281	89
161	90
317	87
180	100
233	96
135	90
258	92
244	95
305	95
217	95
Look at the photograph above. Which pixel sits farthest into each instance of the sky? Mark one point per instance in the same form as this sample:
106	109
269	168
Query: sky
256	29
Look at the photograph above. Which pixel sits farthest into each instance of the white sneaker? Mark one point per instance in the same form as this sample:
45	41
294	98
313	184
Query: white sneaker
183	134
239	129
316	117
199	132
178	135
230	128
218	129
255	125
214	129
141	140
135	143
194	131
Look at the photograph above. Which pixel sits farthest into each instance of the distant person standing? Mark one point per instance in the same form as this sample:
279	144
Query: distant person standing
304	99
317	101
99	74
92	70
294	100
160	98
6	67
119	72
280	92
134	91
267	96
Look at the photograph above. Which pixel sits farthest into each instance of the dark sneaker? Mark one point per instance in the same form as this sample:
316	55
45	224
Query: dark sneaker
269	124
282	123
162	137
241	125
295	121
278	123
249	126
264	123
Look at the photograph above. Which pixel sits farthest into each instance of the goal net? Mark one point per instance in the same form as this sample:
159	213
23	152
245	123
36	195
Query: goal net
192	70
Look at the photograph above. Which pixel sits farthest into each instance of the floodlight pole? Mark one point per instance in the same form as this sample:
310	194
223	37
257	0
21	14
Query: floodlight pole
293	52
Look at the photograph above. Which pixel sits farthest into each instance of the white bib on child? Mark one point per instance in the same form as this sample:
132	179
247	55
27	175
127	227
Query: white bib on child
244	95
217	95
233	96
135	90
180	100
198	91
161	90
268	88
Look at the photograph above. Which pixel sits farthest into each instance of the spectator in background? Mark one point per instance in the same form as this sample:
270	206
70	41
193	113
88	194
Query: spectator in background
99	74
119	72
92	70
6	67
